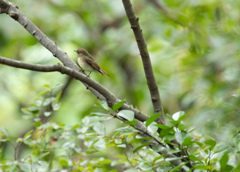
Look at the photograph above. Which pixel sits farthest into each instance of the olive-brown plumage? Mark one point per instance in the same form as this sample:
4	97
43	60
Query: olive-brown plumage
87	63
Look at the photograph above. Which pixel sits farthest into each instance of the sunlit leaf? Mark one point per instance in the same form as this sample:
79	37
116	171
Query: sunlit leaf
104	105
28	135
126	114
194	158
179	137
141	146
63	162
122	146
47	114
58	96
46	85
126	130
187	141
99	128
178	167
173	159
98	114
178	117
162	126
211	143
159	158
118	105
132	123
223	161
24	167
152	118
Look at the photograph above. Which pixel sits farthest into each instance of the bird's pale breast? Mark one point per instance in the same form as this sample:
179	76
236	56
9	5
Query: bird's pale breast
84	65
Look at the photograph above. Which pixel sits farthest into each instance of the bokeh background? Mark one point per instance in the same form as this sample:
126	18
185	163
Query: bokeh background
193	44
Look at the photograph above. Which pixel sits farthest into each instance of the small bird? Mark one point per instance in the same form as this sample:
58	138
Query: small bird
86	62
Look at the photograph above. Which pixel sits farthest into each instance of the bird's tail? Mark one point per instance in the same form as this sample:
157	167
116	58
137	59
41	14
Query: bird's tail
103	72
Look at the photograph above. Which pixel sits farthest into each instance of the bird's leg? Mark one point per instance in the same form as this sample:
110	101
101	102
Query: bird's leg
89	74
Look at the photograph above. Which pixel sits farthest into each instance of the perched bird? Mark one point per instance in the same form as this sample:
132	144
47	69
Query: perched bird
87	63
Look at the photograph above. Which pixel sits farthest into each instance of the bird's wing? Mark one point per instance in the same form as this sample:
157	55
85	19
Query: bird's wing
88	55
92	63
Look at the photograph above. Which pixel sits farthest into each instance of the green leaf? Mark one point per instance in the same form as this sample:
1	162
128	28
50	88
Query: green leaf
122	146
42	93
118	105
130	138
178	117
237	168
173	159
46	85
98	114
47	114
132	123
179	166
182	127
158	158
118	141
223	161
165	132
37	124
63	162
126	130
143	138
104	105
48	100
24	167
194	158
59	95
152	118
100	144
99	128
43	155
126	114
179	137
211	143
187	141
141	146
28	135
162	126
75	127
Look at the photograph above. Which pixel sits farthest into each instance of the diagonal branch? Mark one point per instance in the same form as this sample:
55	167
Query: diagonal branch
152	85
83	78
13	11
110	97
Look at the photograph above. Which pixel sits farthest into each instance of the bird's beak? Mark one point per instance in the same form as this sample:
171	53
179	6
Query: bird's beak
75	50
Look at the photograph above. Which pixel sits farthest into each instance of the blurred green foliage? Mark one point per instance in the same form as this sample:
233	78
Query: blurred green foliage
194	50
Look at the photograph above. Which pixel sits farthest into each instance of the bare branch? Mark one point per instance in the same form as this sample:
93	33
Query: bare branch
110	97
83	78
152	85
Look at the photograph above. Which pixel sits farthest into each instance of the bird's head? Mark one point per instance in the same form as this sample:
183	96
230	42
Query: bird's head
81	51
